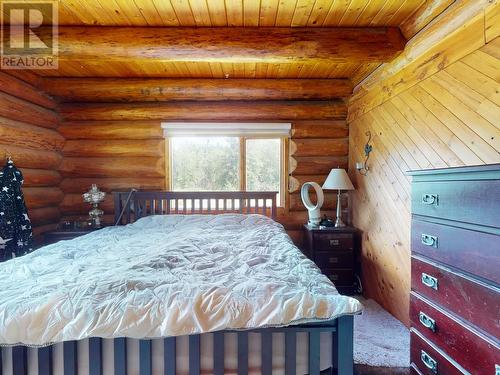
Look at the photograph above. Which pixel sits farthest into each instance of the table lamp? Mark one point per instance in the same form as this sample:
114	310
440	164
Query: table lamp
338	180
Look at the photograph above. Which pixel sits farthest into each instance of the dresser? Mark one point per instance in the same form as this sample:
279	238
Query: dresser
455	281
334	250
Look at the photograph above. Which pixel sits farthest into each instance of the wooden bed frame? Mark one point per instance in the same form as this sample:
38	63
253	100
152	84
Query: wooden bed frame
132	206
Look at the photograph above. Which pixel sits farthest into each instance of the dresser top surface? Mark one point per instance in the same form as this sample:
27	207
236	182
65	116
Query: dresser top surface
464	169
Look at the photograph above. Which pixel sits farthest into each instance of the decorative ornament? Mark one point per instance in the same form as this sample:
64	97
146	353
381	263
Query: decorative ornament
94	196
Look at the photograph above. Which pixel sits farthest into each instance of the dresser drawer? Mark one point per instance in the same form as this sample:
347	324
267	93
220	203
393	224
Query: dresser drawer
340	277
334	241
337	259
429	359
471	299
471	350
414	370
475	252
458	200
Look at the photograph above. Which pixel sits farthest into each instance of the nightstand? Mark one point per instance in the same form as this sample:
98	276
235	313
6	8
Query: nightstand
335	251
61	234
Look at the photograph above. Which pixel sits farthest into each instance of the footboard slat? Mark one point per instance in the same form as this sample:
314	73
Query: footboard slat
194	355
95	356
20	360
218	353
70	356
267	352
169	354
45	361
345	345
145	359
290	352
242	353
314	352
120	356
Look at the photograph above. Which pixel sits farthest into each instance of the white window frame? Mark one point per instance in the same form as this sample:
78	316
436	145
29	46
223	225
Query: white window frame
244	131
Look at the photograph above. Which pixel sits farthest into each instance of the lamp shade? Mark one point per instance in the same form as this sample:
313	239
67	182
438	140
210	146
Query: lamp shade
338	180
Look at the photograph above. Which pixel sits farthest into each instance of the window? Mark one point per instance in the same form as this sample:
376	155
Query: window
210	160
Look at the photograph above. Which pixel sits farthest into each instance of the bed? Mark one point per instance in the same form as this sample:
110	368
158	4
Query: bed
173	289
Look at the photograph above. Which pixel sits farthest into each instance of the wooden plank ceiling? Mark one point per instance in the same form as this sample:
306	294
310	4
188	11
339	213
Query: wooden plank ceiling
300	15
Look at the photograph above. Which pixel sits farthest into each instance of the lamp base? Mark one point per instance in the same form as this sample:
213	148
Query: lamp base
339	223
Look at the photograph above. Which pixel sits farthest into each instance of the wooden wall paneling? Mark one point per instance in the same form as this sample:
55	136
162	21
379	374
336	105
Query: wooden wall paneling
44	216
377	211
475	80
207	111
27	134
39	197
112	167
40	177
492	19
487	131
302	165
21	89
296	181
111	130
320	129
315	147
478	152
442	120
21	110
28	158
451	148
114	148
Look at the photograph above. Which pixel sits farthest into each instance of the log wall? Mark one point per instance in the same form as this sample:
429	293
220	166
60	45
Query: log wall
28	133
436	113
121	145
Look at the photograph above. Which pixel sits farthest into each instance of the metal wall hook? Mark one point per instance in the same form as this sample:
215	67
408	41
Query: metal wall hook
363	167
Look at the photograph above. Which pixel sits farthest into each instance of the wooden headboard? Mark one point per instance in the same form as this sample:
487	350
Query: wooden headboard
136	204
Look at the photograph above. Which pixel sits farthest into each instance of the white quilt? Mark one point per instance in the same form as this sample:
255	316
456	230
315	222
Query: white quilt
164	276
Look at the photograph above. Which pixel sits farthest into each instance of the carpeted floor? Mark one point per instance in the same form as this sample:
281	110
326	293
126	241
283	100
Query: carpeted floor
381	342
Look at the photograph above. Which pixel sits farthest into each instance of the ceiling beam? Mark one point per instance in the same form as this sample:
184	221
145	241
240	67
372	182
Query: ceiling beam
229	44
170	89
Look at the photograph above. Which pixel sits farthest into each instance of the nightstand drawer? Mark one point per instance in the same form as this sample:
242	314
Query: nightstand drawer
337	259
340	277
333	241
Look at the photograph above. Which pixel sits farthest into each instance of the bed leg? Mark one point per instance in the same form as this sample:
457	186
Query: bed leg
343	346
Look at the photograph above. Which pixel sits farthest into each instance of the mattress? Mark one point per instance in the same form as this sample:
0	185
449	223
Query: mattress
163	276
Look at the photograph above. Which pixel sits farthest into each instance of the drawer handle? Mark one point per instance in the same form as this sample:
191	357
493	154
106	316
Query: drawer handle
430	199
429	281
334	242
427	321
333	260
429	362
429	240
